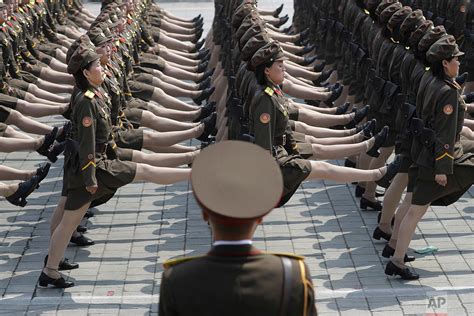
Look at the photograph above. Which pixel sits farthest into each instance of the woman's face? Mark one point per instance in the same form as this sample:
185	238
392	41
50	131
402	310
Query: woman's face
451	68
276	73
105	51
95	74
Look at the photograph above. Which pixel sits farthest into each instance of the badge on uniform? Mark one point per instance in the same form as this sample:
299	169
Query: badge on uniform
265	118
448	109
87	121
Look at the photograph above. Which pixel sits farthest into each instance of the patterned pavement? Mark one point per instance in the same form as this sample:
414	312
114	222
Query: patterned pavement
145	224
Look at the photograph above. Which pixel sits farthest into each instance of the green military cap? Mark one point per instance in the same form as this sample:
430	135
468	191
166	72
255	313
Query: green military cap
252	19
253	45
98	37
383	5
398	17
444	48
388	12
272	51
410	24
236	180
430	38
417	34
251	32
82	40
82	57
241	12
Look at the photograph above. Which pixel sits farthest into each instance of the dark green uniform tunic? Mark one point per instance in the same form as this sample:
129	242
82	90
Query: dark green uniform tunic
90	158
268	123
442	110
235	280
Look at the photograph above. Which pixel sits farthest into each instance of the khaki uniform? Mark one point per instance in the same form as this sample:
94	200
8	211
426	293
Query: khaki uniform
239	280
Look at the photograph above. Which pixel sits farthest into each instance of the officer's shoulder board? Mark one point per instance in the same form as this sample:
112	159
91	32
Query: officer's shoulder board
89	94
173	262
288	255
269	91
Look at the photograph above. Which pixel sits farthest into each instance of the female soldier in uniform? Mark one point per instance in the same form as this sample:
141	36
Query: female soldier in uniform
92	174
268	122
442	171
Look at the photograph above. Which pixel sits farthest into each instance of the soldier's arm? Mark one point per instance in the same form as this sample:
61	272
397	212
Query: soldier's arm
264	121
86	125
167	302
445	129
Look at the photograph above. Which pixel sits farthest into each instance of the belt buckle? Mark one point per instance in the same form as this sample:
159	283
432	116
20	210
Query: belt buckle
284	139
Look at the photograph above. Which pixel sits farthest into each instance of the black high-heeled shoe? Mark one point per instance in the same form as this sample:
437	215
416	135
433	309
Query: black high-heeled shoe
359	191
25	188
81	229
205	94
64	264
392	170
45	280
277	11
360	114
404	273
367	204
379	217
43	171
388	252
368	128
342	109
210	126
323	77
378	233
48	142
82	241
380	139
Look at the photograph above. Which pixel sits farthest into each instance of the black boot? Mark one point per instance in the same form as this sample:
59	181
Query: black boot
45	280
198	46
209	126
367	204
48	141
378	233
341	109
206	110
380	139
25	188
392	170
388	251
204	95
323	77
277	11
360	114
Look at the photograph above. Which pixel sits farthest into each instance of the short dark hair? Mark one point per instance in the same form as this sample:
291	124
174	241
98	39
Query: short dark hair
437	68
81	80
260	72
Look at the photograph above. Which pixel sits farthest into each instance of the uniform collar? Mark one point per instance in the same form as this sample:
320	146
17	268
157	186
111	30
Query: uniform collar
240	250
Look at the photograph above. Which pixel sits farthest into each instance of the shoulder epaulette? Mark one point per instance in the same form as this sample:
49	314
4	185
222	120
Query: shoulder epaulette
269	91
172	262
289	255
89	94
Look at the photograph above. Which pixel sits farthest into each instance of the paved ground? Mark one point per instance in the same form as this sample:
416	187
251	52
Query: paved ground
146	224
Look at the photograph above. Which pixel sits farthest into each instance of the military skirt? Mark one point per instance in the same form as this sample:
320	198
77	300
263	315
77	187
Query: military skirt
110	175
132	139
294	169
7	101
134	116
141	90
4	113
427	191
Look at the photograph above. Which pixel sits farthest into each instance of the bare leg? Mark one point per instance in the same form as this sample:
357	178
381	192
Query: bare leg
45	95
152	140
8	189
27	124
314	118
8	173
39	110
321	132
184	116
164	159
324	170
54	88
161	175
391	201
181	74
370	187
161	124
171	102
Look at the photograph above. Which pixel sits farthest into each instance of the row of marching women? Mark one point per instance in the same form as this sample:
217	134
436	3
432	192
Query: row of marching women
369	81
